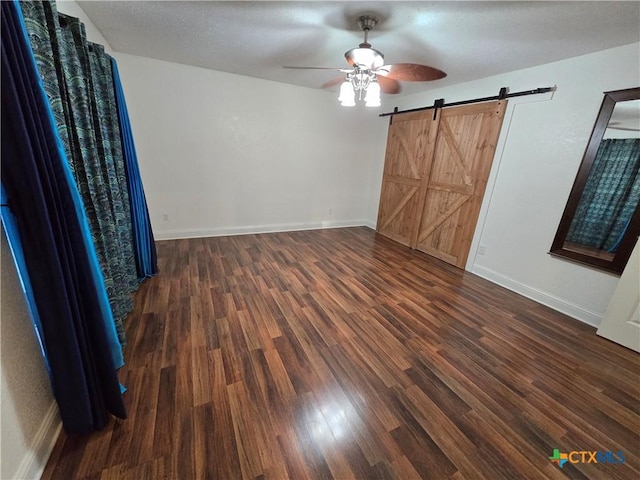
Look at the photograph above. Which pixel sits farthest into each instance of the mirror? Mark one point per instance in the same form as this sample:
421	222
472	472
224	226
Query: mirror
601	221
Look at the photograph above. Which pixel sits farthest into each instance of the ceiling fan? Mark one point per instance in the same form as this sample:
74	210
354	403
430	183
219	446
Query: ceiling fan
369	75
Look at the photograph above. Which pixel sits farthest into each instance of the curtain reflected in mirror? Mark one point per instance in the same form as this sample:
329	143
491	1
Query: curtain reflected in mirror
600	224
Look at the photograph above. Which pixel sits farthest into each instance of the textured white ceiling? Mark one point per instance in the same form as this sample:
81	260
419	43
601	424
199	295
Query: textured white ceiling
467	40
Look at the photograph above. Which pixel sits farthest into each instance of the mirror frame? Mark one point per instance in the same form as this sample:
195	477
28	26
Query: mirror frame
621	256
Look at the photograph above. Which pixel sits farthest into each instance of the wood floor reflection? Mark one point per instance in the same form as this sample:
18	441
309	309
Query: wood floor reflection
341	354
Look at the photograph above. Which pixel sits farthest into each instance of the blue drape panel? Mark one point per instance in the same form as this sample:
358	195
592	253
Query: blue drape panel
68	287
610	195
145	247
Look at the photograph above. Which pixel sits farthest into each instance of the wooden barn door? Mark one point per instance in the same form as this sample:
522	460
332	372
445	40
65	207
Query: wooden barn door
435	175
410	144
466	144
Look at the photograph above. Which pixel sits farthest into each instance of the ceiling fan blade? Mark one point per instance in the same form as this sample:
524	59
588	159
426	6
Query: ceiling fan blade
318	68
410	72
389	85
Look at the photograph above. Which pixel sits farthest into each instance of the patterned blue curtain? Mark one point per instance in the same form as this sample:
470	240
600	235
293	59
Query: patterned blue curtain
78	332
78	79
610	196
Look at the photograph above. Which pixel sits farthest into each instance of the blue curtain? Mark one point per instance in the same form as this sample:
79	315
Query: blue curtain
144	244
610	196
68	287
78	79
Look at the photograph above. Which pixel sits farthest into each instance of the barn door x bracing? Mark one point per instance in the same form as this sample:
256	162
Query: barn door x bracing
435	176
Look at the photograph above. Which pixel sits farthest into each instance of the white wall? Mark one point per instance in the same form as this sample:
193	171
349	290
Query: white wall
29	421
222	153
540	148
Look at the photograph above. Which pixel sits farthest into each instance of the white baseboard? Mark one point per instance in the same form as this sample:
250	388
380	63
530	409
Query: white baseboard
251	229
540	296
32	465
370	223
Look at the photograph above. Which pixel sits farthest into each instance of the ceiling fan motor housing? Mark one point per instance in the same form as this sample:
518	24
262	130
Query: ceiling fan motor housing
367	22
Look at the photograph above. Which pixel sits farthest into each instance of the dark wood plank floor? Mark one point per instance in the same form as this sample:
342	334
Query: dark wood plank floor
341	354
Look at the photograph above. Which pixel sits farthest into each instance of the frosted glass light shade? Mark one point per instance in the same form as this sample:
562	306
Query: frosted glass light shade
372	98
347	96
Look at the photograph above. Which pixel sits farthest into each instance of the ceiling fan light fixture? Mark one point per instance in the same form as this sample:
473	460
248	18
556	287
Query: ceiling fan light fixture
360	80
372	97
347	96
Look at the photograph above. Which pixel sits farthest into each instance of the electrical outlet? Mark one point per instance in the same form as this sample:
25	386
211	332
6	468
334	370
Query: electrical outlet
331	211
482	249
165	217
